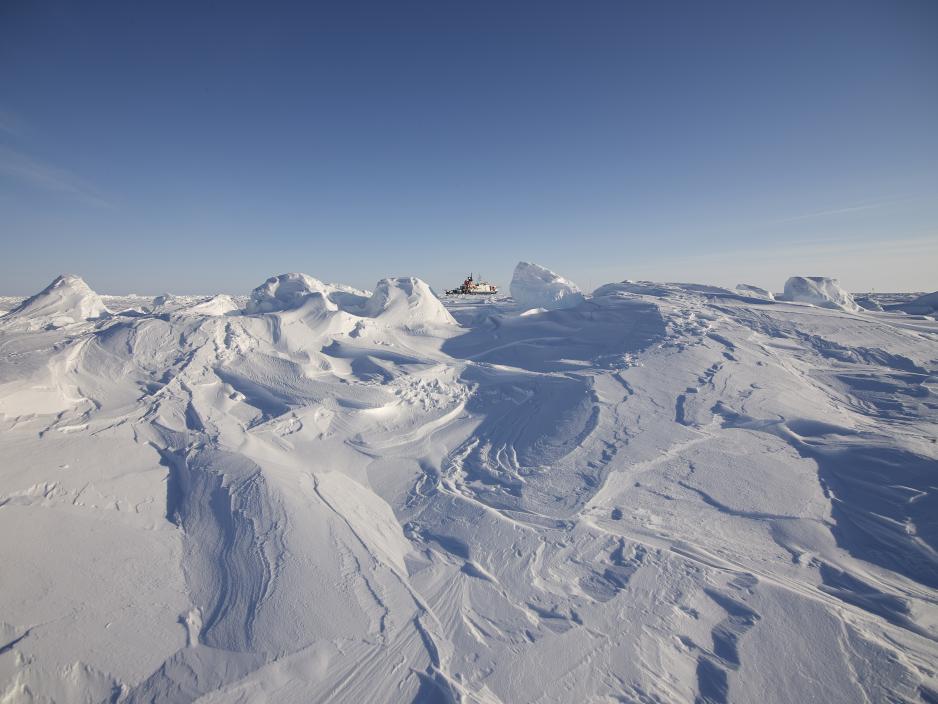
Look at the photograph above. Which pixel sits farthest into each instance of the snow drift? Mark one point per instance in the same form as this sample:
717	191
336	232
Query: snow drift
819	291
221	304
755	291
535	286
67	300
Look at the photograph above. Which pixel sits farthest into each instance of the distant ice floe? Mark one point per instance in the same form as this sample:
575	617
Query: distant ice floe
534	286
67	300
868	303
819	291
923	305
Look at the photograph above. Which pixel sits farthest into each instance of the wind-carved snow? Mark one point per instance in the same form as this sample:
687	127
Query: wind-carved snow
662	492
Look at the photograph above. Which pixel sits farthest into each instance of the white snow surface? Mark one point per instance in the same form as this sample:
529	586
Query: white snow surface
819	291
534	286
667	493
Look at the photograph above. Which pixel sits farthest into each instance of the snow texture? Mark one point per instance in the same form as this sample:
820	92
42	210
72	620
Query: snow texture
668	493
819	291
534	286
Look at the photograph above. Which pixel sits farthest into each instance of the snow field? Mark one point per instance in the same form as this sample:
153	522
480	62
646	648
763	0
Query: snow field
660	492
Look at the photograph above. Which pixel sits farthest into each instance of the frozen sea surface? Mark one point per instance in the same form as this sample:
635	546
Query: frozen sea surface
666	493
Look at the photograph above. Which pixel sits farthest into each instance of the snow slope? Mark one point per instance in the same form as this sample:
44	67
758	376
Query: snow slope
665	492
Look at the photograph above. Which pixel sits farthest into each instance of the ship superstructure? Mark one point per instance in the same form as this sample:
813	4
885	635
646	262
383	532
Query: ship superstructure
472	287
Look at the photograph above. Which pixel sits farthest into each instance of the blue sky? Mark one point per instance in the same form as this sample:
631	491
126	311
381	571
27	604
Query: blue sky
201	147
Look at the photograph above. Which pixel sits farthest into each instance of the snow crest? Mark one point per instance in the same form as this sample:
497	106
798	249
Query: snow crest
819	291
535	286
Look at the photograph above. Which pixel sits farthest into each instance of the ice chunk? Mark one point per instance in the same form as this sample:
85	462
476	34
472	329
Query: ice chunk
534	286
820	291
68	299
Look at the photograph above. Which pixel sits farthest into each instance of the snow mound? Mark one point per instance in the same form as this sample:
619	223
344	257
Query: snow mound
409	301
754	292
405	301
284	292
68	299
923	305
820	291
290	291
222	304
534	286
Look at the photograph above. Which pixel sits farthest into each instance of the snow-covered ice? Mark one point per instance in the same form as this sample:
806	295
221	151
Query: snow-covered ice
534	286
755	291
67	300
288	291
818	291
657	493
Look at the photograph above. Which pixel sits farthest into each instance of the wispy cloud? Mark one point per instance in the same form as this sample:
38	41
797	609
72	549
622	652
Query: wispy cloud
46	177
869	205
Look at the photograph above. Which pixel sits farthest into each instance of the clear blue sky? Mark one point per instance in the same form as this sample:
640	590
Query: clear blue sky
203	146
